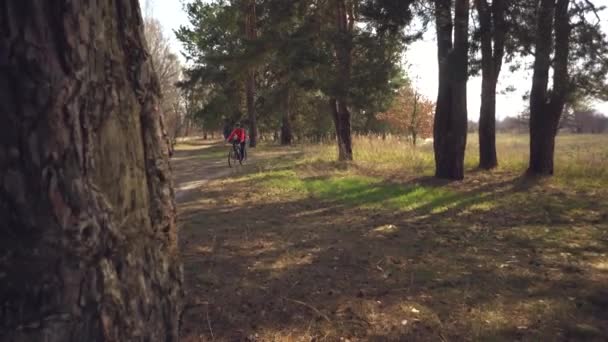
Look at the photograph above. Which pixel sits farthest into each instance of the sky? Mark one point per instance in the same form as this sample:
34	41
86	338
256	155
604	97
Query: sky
420	60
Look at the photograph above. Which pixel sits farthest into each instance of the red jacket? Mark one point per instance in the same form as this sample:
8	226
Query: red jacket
239	133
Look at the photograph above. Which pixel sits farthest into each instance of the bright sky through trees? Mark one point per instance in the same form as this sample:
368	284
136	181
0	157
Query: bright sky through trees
420	60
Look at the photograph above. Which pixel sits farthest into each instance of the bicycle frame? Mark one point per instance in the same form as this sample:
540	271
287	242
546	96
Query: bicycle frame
236	147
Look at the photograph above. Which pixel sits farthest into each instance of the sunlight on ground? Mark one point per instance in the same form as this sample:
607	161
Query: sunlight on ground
297	247
601	265
383	231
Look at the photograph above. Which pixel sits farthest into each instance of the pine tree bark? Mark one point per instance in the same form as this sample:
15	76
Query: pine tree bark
87	219
339	104
546	106
492	27
450	129
250	84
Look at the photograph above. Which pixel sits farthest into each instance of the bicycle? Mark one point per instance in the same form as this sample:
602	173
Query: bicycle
234	155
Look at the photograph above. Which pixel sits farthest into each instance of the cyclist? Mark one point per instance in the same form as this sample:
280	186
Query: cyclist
239	135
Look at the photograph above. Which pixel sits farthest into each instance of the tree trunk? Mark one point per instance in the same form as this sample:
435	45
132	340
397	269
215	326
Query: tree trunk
341	117
450	130
487	126
188	127
339	104
253	125
251	35
492	27
546	107
87	220
286	135
414	120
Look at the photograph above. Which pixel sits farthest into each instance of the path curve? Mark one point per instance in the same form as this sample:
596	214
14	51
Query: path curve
191	171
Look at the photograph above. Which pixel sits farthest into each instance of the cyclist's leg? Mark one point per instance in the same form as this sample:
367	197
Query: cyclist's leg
236	149
243	152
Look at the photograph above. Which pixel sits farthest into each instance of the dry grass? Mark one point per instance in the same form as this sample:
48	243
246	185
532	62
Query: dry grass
296	247
580	159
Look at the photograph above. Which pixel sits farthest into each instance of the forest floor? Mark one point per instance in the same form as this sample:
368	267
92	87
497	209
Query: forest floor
292	247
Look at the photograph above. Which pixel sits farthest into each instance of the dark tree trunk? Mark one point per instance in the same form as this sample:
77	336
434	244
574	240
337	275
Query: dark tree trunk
253	125
339	104
286	135
414	121
546	107
250	85
487	126
492	27
188	127
87	220
341	117
450	129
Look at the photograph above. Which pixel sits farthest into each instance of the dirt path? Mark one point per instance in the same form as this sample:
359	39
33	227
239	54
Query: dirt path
195	164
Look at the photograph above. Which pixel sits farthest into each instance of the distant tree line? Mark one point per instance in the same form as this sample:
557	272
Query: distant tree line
587	121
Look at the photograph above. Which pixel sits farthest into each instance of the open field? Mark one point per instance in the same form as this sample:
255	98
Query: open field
296	247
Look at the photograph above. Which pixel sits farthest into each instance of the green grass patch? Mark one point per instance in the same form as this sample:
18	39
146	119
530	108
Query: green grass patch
359	191
214	153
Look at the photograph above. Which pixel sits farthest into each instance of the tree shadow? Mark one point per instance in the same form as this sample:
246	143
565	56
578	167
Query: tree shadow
366	259
275	270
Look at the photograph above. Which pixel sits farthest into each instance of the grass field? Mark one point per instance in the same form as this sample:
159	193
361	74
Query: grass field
297	247
579	158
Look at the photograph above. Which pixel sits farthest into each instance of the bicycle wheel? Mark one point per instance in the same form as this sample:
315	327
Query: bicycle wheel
236	154
239	157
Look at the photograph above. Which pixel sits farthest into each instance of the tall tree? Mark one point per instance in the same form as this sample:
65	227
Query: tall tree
296	49
87	220
344	11
450	130
553	28
493	29
568	43
215	44
251	34
566	40
286	132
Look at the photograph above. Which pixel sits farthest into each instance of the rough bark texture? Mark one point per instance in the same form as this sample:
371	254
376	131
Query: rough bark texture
547	106
492	27
339	104
87	220
250	85
450	130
